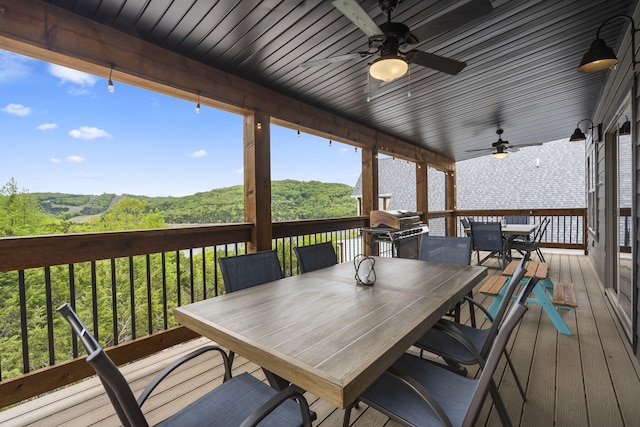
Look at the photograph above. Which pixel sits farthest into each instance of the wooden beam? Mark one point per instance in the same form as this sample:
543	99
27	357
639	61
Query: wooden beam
257	179
370	199
451	200
37	29
422	190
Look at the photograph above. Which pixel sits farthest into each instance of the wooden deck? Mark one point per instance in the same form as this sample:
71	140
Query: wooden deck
588	379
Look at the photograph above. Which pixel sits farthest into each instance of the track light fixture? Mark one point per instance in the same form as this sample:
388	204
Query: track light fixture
110	87
600	56
625	129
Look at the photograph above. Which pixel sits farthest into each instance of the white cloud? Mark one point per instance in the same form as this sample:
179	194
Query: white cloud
47	126
75	159
54	161
67	75
13	66
199	153
342	149
241	170
17	110
88	133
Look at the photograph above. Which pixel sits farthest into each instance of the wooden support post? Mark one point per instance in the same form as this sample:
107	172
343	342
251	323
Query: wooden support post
257	180
369	190
422	190
451	200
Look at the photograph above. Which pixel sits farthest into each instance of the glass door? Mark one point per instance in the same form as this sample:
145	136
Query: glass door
623	272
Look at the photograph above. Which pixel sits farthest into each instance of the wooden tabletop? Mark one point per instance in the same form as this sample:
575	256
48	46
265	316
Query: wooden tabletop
519	229
322	332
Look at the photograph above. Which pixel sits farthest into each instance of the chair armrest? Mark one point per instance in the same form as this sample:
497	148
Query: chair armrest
422	392
456	334
480	307
166	371
270	405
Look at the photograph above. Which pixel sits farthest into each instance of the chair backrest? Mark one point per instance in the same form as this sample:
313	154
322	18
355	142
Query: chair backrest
314	257
114	383
484	381
454	250
518	274
487	236
539	234
464	222
516	219
245	271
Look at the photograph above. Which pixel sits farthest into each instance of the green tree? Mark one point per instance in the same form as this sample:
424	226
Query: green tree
22	215
129	214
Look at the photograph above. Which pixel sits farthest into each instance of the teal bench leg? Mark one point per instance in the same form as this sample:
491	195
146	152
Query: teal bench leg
542	298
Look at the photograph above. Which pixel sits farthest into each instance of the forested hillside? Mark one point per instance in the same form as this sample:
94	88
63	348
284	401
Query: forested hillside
291	200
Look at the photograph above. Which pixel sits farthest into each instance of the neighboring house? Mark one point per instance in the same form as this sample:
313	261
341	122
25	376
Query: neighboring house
546	176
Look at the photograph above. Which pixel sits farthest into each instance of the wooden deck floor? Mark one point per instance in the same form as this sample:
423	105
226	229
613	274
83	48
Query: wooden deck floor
588	379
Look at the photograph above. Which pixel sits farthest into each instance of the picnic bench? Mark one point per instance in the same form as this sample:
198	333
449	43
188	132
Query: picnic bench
551	296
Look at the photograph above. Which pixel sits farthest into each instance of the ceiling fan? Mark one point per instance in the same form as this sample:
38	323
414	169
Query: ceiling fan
390	39
501	149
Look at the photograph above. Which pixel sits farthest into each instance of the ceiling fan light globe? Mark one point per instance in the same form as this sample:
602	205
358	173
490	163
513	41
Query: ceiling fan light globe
388	68
598	57
500	154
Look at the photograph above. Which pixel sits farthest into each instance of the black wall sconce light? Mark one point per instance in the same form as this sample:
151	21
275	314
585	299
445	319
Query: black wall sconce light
625	128
600	56
578	135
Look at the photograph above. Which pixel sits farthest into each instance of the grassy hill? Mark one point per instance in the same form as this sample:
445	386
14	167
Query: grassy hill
291	200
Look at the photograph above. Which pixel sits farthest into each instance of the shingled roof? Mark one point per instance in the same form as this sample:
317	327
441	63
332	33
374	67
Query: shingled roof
546	176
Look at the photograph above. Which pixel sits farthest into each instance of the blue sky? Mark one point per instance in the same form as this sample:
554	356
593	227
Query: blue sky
62	131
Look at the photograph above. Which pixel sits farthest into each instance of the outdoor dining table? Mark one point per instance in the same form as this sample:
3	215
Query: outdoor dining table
514	229
326	334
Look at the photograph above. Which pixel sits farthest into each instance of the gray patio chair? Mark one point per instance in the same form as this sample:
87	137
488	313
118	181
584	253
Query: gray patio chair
248	270
487	236
314	257
463	345
528	246
449	249
417	392
241	400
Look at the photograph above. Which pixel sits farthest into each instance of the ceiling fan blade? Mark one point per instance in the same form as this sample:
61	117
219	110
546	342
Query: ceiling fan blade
481	149
331	60
453	19
352	10
436	62
525	145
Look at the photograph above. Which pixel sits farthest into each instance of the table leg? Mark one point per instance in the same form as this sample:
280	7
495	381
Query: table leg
275	381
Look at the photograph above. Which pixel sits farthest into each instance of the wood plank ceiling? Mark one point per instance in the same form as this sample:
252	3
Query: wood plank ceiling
520	74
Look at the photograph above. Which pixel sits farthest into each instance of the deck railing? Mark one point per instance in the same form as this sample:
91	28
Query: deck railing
126	284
